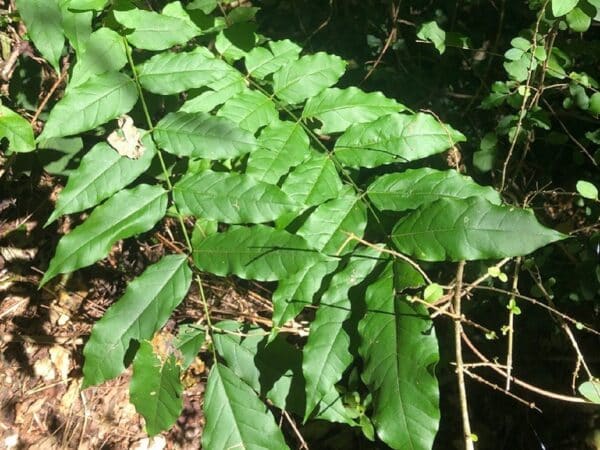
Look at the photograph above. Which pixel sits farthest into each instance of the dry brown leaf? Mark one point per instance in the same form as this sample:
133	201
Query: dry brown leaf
126	139
44	369
61	358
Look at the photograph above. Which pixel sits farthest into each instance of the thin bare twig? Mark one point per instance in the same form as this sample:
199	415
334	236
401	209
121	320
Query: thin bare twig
50	93
460	376
511	323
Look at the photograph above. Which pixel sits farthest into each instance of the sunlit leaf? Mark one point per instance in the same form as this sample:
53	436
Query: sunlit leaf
143	309
17	130
235	416
203	136
230	198
155	389
251	110
307	76
261	61
415	187
101	173
394	138
96	101
258	252
43	19
337	108
126	214
468	229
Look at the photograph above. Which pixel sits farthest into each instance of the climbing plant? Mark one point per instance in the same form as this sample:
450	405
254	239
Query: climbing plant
272	173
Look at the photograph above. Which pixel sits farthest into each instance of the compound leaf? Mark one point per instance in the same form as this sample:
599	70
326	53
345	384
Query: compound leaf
202	135
143	309
328	228
259	253
220	91
251	110
468	229
155	389
235	416
154	31
415	187
17	130
394	138
101	173
170	73
230	198
326	354
43	19
399	350
307	76
101	98
337	109
281	146
126	214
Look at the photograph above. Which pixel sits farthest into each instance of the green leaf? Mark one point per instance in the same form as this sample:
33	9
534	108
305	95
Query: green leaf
126	214
84	5
307	76
394	138
261	62
256	253
77	26
235	417
201	135
433	292
578	20
17	130
297	290
220	91
206	6
251	110
590	390
337	108
430	31
155	389
415	187
594	107
314	181
562	7
326	354
587	189
519	69
101	173
327	229
170	73
154	31
236	41
43	19
230	198
189	340
281	146
273	369
399	350
100	99
468	229
104	52
143	309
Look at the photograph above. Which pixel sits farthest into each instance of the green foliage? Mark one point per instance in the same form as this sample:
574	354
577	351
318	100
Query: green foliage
288	179
17	130
155	389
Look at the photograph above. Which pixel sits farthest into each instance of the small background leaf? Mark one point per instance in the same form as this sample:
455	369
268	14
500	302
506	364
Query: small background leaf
17	130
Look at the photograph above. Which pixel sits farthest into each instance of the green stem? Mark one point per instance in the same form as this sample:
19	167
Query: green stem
150	125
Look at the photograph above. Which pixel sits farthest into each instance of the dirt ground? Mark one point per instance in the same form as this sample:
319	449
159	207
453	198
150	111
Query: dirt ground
43	332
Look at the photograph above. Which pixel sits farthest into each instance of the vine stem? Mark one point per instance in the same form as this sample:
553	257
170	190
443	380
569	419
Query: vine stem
170	187
151	131
460	370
